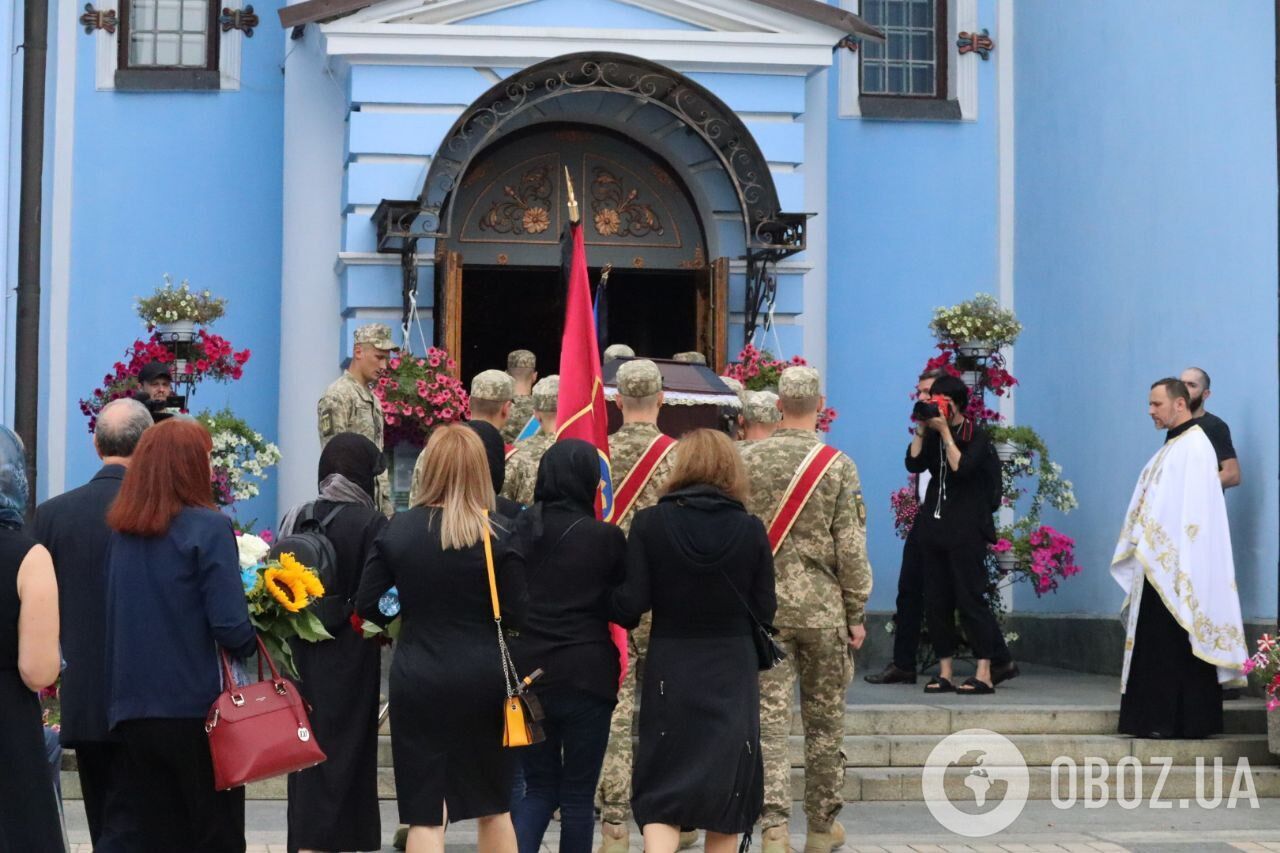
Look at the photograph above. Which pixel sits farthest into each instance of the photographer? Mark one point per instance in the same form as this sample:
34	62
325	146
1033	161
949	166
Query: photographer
954	528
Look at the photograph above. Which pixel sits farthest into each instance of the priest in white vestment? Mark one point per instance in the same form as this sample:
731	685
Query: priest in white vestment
1184	637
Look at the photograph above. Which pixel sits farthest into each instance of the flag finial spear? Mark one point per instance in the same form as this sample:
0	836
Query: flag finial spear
573	202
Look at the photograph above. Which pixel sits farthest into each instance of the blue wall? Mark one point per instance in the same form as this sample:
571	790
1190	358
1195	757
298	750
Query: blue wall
188	184
912	225
1146	241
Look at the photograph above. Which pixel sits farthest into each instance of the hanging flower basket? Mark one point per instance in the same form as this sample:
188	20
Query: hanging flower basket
182	370
177	332
1006	451
1008	562
976	349
971	378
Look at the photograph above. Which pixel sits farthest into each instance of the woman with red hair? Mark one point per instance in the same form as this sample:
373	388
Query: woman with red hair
174	596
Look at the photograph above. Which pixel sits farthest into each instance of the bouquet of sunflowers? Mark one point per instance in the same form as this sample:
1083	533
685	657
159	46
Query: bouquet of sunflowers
279	592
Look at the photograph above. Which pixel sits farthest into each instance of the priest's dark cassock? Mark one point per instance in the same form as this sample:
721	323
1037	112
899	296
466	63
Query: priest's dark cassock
1184	636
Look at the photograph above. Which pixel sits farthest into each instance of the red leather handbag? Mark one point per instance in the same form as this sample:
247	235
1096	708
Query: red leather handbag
259	730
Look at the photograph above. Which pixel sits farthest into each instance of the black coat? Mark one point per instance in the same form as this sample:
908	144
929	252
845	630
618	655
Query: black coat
73	526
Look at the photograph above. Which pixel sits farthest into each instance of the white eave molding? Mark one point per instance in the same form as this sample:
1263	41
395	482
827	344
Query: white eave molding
230	45
431	44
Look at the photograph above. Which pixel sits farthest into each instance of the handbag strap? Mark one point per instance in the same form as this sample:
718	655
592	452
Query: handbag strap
747	607
509	677
228	681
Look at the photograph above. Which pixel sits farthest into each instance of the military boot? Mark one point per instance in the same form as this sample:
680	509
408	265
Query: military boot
774	840
824	842
614	838
688	838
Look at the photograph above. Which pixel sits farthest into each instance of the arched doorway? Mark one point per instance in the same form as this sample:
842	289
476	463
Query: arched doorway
658	148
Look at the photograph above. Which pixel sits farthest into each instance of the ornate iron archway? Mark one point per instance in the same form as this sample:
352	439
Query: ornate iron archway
525	97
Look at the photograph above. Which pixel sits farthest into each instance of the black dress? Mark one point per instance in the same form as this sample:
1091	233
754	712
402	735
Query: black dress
28	806
334	805
698	761
446	687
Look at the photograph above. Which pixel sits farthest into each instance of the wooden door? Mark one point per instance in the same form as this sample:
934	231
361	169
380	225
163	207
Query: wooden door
448	304
713	313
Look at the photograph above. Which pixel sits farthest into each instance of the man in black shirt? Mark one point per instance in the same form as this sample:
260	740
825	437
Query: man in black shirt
1197	382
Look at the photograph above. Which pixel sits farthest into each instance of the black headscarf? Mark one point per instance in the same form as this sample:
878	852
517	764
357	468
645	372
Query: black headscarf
354	457
495	450
568	477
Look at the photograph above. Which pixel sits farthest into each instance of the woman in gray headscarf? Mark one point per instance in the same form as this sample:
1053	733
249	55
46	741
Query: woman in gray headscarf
334	806
29	661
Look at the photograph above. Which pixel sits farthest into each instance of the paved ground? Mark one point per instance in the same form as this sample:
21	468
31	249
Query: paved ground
902	827
1037	685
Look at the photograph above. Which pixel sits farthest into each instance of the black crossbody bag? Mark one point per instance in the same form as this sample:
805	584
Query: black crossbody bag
768	653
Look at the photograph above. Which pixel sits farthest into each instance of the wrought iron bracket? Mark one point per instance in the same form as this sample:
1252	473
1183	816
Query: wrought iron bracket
98	19
408	285
979	43
239	19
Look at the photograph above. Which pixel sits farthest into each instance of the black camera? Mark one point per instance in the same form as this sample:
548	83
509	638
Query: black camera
937	406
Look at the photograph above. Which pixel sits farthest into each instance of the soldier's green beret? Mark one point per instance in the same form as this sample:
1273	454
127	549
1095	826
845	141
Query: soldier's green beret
376	335
690	357
521	358
614	351
639	378
798	383
546	392
760	407
493	385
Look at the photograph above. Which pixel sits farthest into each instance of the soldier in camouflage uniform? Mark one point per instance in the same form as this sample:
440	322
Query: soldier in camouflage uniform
349	406
491	393
522	467
759	418
522	368
617	351
691	357
640	398
823	581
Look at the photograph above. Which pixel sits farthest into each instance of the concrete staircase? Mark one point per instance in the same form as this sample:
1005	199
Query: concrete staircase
886	746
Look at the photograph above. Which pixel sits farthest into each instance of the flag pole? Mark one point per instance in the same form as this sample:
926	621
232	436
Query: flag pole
573	202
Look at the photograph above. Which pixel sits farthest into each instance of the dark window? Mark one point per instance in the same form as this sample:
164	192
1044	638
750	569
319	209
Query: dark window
912	60
168	44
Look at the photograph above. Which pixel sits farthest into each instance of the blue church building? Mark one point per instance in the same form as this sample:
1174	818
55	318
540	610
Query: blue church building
1106	169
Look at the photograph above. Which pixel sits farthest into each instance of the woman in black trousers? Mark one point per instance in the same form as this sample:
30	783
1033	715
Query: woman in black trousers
334	805
952	532
573	562
447	685
699	560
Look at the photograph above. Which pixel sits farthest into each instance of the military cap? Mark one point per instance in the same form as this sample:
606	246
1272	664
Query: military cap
493	385
614	351
798	383
639	378
154	370
760	407
734	385
690	357
546	392
376	335
521	358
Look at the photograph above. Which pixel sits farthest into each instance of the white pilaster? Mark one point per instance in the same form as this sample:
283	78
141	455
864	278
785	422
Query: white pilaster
1005	227
815	201
310	324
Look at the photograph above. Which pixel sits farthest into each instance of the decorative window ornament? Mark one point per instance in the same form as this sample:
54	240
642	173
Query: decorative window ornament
244	20
979	43
96	19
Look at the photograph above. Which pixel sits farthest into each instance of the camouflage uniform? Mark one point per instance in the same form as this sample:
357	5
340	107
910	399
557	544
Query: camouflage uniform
522	467
487	385
347	405
691	357
616	351
823	582
625	448
522	404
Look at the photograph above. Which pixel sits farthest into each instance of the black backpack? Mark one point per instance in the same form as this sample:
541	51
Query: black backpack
311	546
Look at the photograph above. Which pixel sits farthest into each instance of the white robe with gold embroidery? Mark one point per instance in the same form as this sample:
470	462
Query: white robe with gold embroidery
1176	536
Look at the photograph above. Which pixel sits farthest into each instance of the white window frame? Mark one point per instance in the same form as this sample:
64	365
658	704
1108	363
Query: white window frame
962	71
230	46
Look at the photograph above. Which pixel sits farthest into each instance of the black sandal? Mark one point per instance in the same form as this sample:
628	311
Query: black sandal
938	684
974	687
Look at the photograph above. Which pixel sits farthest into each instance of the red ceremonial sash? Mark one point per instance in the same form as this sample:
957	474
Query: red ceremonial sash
511	451
639	475
798	492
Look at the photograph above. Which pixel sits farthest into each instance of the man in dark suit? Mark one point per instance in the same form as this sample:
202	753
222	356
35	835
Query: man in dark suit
73	527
